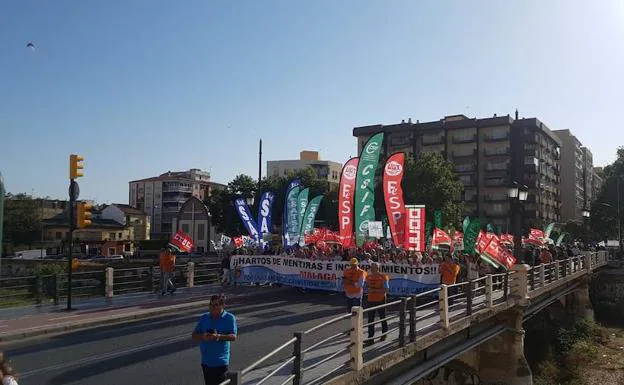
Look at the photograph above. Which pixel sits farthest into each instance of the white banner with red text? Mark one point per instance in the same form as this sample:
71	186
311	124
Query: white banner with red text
327	275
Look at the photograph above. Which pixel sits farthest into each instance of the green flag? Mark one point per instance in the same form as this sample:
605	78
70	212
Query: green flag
489	228
471	234
292	216
437	219
428	232
302	205
465	224
309	217
549	230
365	187
560	239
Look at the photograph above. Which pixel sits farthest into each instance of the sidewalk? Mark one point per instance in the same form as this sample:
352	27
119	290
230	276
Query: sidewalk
33	321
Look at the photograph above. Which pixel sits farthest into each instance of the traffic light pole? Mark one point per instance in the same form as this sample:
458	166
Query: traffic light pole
70	240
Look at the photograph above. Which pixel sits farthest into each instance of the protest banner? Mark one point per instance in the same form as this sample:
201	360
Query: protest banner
327	275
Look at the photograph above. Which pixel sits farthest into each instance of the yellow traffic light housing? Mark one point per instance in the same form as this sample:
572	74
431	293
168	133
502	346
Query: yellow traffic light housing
83	215
75	166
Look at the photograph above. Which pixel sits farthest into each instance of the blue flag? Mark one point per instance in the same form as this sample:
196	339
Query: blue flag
264	212
245	215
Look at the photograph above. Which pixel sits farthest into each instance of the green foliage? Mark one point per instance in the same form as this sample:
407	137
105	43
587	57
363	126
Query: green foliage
22	220
50	269
225	218
582	330
604	209
431	180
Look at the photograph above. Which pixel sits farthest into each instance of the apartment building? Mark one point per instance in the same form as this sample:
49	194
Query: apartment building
482	152
326	170
162	197
576	176
597	181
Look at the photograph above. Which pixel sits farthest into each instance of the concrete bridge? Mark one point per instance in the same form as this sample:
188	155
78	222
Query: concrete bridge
474	327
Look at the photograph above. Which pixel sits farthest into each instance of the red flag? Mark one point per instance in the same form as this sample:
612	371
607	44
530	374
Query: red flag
182	242
393	195
507	238
536	234
440	238
499	253
414	239
345	201
238	242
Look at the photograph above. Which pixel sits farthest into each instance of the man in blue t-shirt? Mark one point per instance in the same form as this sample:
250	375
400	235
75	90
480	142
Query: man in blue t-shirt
215	330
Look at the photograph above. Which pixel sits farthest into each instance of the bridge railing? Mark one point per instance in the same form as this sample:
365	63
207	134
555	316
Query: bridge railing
407	319
551	274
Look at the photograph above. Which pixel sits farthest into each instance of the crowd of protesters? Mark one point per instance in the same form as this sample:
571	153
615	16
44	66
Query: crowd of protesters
471	266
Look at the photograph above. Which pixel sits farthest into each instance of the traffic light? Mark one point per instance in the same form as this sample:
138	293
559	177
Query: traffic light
83	214
75	166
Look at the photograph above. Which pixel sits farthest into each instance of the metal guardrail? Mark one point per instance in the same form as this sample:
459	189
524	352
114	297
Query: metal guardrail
101	283
408	317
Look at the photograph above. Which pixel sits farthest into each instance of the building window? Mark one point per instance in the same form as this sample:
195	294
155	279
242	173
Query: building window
201	228
111	236
58	235
185	228
531	160
127	248
120	235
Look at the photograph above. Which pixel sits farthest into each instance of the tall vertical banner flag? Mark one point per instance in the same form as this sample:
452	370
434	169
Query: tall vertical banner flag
365	187
245	215
307	226
290	225
437	219
549	230
264	212
345	201
393	194
465	224
414	239
302	205
470	235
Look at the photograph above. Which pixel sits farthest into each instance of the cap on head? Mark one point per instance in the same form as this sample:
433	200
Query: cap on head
354	261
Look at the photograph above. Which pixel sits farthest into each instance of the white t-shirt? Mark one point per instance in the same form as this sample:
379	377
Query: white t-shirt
9	380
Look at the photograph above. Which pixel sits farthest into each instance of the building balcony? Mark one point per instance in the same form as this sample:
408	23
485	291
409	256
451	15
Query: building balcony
495	182
531	137
495	137
428	140
464	155
464	139
496	198
185	189
466	167
489	152
531	168
496	213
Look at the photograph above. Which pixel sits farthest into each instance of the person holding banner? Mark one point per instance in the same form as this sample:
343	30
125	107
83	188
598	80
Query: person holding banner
353	283
377	285
167	271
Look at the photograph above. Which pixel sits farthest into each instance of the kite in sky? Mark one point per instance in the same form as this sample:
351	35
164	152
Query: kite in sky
31	45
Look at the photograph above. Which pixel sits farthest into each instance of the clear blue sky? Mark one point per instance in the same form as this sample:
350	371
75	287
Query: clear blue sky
144	86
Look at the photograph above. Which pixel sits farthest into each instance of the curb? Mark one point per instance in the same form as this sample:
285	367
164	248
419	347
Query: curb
115	319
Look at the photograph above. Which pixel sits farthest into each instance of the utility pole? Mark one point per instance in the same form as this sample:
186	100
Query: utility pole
260	162
2	193
619	219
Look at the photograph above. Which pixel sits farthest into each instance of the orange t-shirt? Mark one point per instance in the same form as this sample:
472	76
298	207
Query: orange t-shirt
167	262
449	272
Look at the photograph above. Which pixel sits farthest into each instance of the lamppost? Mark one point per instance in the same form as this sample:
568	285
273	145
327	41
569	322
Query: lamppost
585	213
517	194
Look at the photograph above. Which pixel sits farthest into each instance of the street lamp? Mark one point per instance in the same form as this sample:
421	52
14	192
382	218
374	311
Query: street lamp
517	194
585	213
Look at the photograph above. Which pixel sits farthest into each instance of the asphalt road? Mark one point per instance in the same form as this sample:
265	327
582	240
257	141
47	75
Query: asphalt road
160	351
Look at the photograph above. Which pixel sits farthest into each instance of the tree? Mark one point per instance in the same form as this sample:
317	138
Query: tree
603	217
221	204
431	180
226	219
22	220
